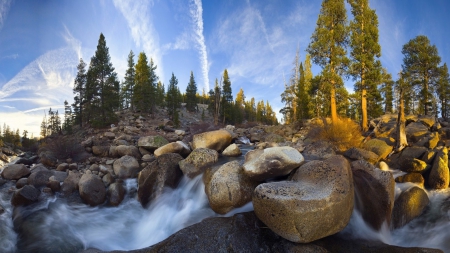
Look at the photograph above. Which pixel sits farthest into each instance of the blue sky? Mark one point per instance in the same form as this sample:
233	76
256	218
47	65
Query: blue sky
256	40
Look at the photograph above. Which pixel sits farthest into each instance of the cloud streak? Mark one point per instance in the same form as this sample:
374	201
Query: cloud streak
196	12
5	5
140	22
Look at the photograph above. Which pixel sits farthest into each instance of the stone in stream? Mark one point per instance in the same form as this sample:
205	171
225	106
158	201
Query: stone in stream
174	147
126	167
25	196
232	150
318	202
439	175
217	140
92	189
15	171
409	205
197	161
116	193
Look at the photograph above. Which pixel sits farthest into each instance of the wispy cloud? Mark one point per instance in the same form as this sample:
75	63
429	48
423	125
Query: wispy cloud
4	9
182	42
72	42
196	11
143	32
11	56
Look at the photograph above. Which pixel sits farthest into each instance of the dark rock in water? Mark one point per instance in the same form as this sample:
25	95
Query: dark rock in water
2	181
15	171
245	233
92	190
39	178
24	196
163	172
8	151
409	205
70	184
25	161
116	193
21	183
2	210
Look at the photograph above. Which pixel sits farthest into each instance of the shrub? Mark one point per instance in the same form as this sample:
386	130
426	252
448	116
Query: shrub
343	134
64	147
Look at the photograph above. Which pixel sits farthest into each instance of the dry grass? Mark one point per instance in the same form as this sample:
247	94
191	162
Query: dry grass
63	147
343	134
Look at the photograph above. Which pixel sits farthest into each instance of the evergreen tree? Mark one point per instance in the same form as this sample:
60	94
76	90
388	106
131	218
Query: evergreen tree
290	95
239	106
153	81
303	98
160	94
386	89
103	87
44	126
16	139
68	117
327	46
191	90
364	51
420	64
128	84
215	102
79	91
173	98
227	98
142	84
443	91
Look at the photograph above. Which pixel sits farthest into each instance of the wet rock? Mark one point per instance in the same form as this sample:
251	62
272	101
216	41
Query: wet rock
152	142
319	150
91	189
174	147
271	162
107	179
21	183
70	184
163	172
359	153
116	194
439	174
126	167
317	203
25	196
413	177
374	193
197	161
39	178
217	140
54	185
232	150
15	171
409	205
227	187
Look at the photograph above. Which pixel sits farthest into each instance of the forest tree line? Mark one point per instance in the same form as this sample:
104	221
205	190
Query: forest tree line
350	49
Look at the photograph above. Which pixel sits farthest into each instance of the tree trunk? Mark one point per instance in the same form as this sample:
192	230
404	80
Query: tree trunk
401	141
334	116
364	125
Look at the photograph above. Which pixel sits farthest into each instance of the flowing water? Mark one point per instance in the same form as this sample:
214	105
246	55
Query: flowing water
56	225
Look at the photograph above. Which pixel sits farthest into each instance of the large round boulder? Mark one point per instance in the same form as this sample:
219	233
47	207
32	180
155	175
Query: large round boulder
91	189
217	140
40	178
152	142
197	161
319	150
439	174
271	162
70	184
15	171
379	147
116	193
123	150
173	147
100	150
415	130
48	159
413	177
126	167
317	203
359	153
374	193
163	172
25	196
232	150
227	187
409	205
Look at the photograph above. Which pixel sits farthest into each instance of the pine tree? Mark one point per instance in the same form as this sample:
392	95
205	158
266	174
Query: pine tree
160	94
386	89
239	106
443	91
421	63
79	90
103	87
290	95
327	46
303	98
153	81
215	102
142	84
128	84
173	98
227	98
44	126
68	117
191	90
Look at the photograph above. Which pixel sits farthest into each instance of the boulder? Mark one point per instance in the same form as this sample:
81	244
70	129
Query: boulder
271	162
317	203
152	142
374	193
173	147
359	153
107	179
54	184
48	159
427	120
100	150
25	196
409	205
91	189
319	150
116	193
21	182
40	178
4	158
232	150
405	159
109	135
123	150
439	174
415	130
413	177
163	172
15	171
70	184
217	140
62	167
272	137
126	167
379	147
197	161
148	158
227	187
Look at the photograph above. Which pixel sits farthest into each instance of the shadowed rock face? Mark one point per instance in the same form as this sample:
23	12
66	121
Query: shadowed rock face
244	232
317	202
409	205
